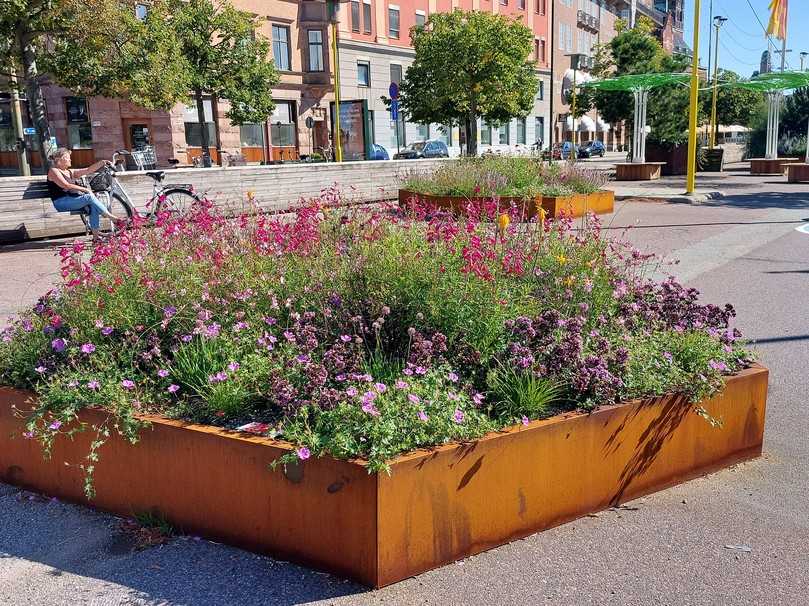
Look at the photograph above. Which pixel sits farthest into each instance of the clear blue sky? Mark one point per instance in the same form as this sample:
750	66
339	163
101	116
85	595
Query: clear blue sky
742	40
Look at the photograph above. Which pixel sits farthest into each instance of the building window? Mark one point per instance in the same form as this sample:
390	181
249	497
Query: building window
282	124
521	136
315	50
193	131
541	91
521	4
366	15
396	73
539	7
503	132
445	134
421	18
251	135
141	10
504	2
423	131
393	21
542	51
485	134
363	73
355	16
79	131
539	129
280	47
536	50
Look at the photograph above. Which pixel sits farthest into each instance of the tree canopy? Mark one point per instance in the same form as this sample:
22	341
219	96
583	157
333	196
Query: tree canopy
469	65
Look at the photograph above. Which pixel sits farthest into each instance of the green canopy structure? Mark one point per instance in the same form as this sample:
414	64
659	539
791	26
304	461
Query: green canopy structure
773	85
639	85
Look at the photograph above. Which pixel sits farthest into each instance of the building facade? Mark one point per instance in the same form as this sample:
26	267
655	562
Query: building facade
375	51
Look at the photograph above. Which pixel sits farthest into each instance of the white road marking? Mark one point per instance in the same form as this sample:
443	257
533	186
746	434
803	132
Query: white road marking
804	229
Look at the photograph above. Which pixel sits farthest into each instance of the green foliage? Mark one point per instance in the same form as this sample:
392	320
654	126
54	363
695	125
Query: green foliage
795	115
514	394
734	105
468	65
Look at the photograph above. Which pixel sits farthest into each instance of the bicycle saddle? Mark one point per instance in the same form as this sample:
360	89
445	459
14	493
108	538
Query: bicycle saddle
157	175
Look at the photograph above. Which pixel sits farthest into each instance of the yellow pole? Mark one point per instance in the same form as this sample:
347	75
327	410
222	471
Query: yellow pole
692	112
338	148
712	137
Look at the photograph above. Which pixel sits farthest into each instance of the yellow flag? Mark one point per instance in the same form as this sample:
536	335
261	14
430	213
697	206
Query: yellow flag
778	19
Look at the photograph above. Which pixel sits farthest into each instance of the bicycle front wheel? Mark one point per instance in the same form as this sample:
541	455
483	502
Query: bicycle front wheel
176	201
117	206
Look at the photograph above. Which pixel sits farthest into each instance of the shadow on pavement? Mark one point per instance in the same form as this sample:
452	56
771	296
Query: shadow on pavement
187	570
765	199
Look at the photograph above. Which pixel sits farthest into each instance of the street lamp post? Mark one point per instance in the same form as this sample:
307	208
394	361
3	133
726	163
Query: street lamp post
575	59
717	23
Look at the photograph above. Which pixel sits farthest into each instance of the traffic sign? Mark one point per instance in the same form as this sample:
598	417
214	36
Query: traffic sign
29	130
394	110
393	90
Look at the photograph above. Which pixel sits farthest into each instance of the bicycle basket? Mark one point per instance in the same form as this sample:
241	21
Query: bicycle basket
101	181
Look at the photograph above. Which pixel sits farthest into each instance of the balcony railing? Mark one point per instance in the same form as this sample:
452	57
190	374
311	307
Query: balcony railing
587	20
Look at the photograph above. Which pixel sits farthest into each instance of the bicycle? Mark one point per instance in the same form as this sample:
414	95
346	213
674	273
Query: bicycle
172	198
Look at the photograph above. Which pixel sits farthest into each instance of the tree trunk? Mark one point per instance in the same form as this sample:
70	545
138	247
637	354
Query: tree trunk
472	134
205	139
36	102
216	133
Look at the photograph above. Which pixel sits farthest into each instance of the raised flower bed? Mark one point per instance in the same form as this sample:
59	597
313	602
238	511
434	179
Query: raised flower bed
524	185
374	393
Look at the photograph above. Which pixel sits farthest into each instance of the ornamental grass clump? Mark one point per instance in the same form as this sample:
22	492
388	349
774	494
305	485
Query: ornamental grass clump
504	176
361	334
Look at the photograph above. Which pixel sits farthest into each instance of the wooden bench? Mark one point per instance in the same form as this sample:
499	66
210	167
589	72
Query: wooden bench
638	171
770	166
797	172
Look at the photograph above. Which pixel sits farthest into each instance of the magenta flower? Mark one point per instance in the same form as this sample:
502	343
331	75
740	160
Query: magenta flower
369	396
218	377
88	348
420	370
477	398
173	388
408	372
239	326
302	358
162	373
380	387
413	398
289	336
370	409
345	338
55	425
720	366
458	416
27	325
351	392
341	377
92	385
233	366
186	338
423	416
41	369
107	331
400	384
303	453
525	420
169	311
452	377
58	345
127	384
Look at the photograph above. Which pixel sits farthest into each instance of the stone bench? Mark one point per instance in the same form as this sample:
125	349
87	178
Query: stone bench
638	171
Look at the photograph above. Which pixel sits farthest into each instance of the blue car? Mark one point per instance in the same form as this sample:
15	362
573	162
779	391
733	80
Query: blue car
378	152
591	149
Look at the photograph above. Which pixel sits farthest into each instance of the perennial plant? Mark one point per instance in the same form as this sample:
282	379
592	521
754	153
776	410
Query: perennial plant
360	334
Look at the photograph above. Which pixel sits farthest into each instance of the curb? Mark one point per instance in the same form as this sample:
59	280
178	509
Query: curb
674	198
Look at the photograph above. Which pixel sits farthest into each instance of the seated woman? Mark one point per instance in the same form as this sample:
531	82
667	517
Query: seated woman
67	195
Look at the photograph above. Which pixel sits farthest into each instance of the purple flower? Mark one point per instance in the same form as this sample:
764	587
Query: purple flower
369	408
41	369
289	336
58	345
92	385
239	326
28	435
169	311
720	366
212	330
88	348
420	370
162	373
186	338
107	331
173	388
668	357
55	425
218	377
400	384
423	416
345	338
524	420
302	358
380	387
408	372
413	398
453	396
269	321
27	325
127	384
233	366
452	377
351	392
458	416
303	453
477	398
369	396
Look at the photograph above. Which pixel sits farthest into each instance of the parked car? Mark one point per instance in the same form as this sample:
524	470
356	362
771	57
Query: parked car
591	149
378	152
561	151
423	149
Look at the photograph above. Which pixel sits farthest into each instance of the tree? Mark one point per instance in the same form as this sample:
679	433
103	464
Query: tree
96	47
733	105
796	113
469	65
223	57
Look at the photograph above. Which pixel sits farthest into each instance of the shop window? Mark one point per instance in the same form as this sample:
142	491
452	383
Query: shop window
79	131
252	135
282	125
193	130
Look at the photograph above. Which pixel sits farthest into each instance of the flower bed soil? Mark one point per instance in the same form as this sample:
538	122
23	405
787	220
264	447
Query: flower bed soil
575	205
436	506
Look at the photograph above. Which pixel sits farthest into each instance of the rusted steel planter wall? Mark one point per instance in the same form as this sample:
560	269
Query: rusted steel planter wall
435	507
576	205
770	166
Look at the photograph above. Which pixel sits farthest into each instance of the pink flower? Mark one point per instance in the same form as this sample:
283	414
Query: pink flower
218	377
452	377
420	370
351	392
303	453
453	396
408	372
381	387
173	388
41	369
525	420
88	348
345	338
477	398
370	409
92	384
413	398
162	373
233	366
423	416
400	384
55	425
127	384
73	383
369	396
458	416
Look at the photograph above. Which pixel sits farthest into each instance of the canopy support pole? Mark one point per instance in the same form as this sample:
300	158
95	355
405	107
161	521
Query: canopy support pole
773	120
639	135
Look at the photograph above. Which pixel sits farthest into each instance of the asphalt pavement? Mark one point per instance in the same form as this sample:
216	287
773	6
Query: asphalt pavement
739	536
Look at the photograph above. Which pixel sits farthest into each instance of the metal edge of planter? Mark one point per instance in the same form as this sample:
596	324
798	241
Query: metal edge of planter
435	507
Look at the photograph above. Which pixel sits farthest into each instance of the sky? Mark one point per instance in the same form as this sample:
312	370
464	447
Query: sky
742	40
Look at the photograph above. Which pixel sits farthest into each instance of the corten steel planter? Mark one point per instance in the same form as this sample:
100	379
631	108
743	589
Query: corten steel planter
576	205
798	172
435	507
638	171
770	166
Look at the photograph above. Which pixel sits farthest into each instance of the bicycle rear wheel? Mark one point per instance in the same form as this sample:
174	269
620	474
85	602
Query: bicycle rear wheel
177	201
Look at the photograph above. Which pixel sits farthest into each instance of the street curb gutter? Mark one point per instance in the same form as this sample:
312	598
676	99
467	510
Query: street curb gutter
675	198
